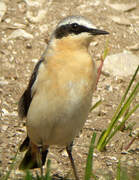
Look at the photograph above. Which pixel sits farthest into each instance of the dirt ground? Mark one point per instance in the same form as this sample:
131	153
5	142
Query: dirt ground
17	59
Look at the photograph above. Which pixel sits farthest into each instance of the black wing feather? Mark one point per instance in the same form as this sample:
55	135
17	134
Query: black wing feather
26	98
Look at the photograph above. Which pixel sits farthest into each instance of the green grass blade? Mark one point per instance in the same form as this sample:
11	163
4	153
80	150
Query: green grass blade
94	177
127	90
122	111
37	176
122	123
89	163
118	170
122	173
28	175
129	100
96	105
106	50
127	116
101	136
11	167
47	176
136	173
118	113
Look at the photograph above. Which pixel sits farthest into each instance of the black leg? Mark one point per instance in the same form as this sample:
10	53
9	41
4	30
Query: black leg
69	151
40	161
42	158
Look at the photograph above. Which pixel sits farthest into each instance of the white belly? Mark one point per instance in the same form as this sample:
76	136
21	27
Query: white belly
57	118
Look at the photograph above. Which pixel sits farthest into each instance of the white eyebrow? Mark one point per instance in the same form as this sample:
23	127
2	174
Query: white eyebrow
77	19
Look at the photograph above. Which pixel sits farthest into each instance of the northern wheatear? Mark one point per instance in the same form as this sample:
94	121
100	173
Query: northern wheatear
59	94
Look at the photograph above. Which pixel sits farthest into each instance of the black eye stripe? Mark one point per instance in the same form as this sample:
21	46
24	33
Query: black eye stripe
73	28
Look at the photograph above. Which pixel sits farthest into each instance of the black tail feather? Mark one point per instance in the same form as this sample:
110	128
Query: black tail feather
24	146
30	161
32	157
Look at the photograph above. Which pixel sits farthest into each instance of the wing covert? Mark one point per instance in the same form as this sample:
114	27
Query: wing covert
26	98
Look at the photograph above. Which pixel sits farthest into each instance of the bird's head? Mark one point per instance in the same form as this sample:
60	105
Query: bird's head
76	30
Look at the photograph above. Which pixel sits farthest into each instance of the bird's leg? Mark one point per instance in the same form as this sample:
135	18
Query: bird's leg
69	151
40	160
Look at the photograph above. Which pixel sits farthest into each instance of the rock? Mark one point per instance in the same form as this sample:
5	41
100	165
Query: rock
14	113
43	28
11	25
124	152
97	164
134	47
32	3
123	159
8	20
4	112
93	43
22	7
4	127
35	60
130	163
108	163
121	64
64	153
95	155
121	20
19	26
113	158
109	88
54	165
20	33
3	82
28	45
133	16
136	131
7	113
120	6
3	9
96	3
35	19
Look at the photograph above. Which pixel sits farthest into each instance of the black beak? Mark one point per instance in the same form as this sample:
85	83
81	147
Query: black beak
98	32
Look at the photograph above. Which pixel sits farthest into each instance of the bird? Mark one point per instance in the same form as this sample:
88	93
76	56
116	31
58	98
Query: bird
58	97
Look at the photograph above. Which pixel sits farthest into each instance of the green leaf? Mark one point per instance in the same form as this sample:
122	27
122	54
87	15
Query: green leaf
47	176
96	105
106	50
28	175
118	171
121	109
89	163
11	167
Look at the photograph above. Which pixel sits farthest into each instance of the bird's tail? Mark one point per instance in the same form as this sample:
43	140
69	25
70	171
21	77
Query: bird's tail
34	157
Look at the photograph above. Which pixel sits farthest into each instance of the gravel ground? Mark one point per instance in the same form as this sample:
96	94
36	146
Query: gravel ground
34	21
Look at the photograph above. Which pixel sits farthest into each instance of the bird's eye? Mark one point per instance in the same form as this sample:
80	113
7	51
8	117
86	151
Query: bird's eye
74	25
